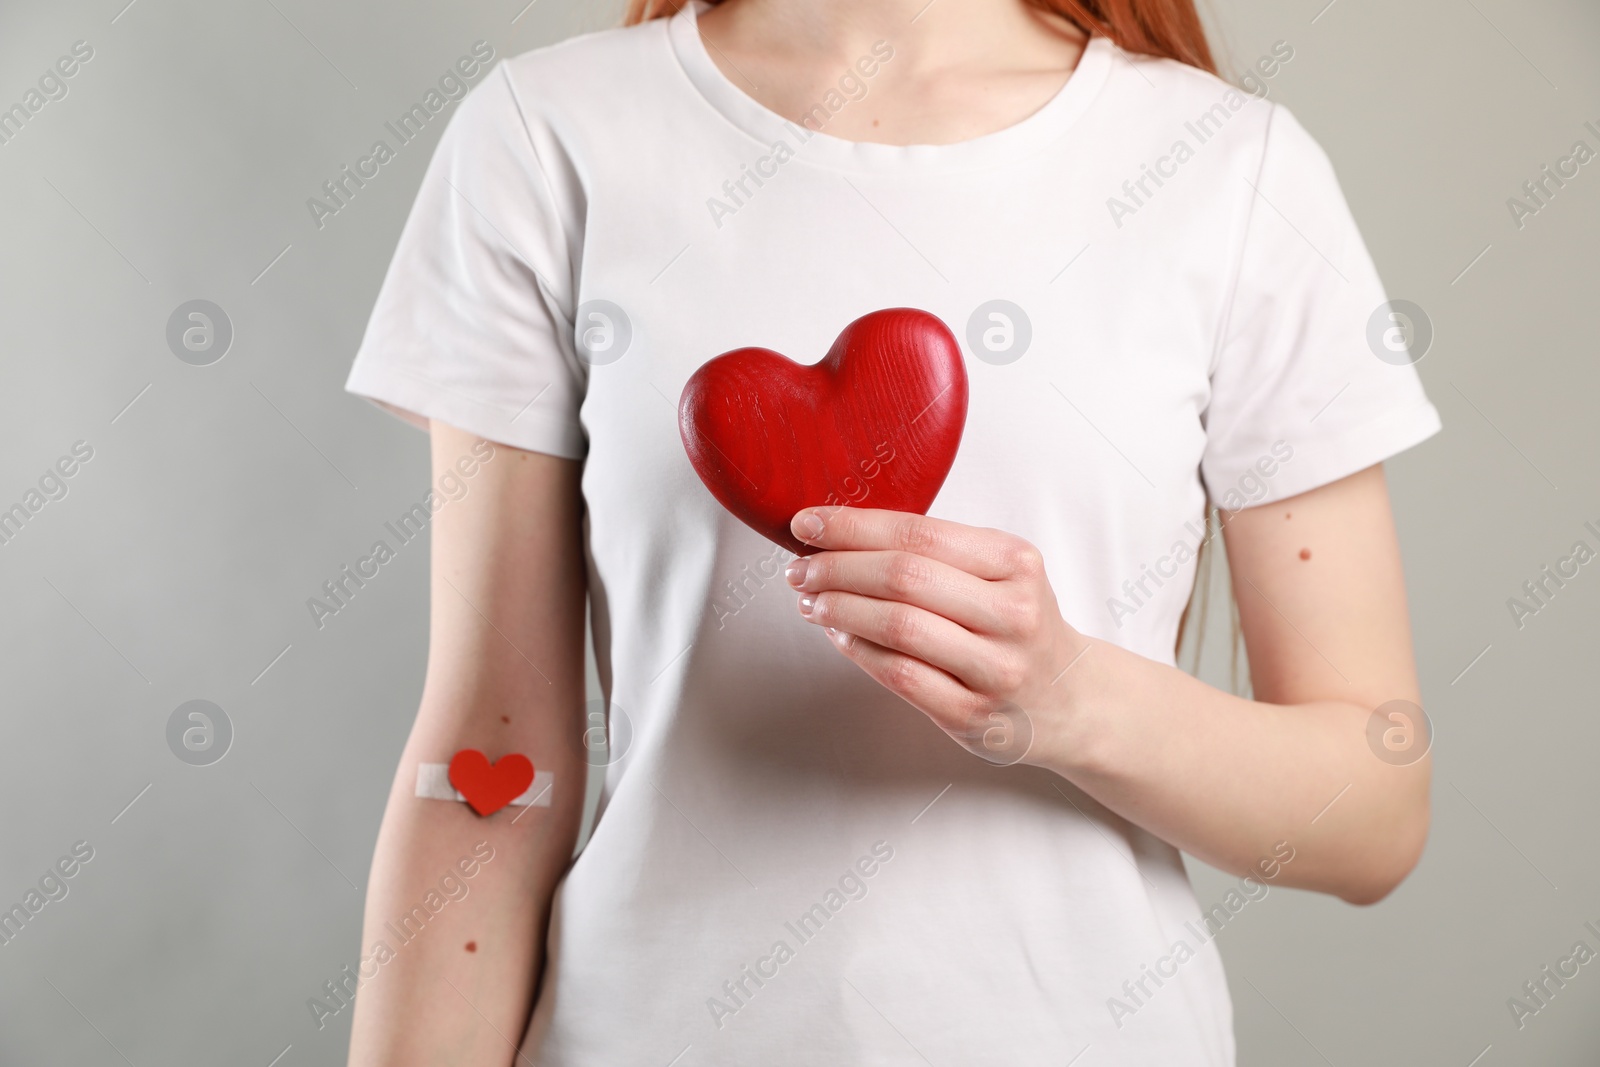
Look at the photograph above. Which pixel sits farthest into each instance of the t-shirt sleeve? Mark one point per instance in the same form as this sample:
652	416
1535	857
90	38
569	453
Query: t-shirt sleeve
1300	395
472	325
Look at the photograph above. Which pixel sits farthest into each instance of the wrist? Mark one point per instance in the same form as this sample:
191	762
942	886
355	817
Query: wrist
1072	733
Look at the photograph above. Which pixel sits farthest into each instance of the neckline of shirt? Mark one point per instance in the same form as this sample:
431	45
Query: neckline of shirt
756	120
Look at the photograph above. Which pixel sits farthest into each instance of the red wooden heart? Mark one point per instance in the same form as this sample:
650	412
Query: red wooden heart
490	787
875	423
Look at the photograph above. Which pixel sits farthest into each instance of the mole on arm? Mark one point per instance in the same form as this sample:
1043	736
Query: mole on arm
505	718
472	946
1305	553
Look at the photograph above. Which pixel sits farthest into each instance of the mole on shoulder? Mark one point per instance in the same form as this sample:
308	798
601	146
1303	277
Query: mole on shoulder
472	946
505	718
1288	514
1305	553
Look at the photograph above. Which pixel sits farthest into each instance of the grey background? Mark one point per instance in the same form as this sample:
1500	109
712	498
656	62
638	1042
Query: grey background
219	498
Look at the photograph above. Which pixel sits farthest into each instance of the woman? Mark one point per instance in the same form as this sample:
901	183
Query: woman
800	856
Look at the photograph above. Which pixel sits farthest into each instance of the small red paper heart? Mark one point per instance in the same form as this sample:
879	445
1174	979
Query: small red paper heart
490	787
875	423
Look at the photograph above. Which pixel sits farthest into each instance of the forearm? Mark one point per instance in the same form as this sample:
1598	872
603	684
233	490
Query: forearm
1227	779
458	982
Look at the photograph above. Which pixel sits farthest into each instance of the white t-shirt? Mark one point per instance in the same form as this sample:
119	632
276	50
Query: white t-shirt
791	865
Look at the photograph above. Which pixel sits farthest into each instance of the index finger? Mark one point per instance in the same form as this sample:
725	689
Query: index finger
983	553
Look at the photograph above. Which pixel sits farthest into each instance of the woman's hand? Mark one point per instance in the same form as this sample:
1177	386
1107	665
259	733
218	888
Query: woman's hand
962	623
959	621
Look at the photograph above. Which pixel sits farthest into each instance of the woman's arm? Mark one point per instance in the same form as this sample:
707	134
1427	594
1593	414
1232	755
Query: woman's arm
505	674
962	623
1329	641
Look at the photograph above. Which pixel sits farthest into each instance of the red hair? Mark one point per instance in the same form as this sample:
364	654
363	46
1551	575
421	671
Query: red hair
1167	28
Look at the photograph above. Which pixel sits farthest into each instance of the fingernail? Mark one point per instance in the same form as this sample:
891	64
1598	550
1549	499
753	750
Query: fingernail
807	526
796	572
808	604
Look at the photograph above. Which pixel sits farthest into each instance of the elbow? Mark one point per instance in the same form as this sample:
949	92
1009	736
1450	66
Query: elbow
1373	891
1390	863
